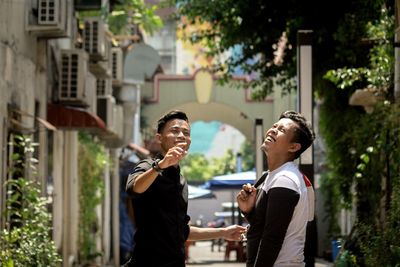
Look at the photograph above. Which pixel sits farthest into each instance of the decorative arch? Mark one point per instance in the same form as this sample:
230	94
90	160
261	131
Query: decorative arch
225	103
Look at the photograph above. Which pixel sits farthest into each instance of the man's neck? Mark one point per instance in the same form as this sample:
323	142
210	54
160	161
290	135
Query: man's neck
274	162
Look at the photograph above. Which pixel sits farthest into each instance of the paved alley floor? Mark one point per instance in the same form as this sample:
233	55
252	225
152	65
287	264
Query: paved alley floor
200	254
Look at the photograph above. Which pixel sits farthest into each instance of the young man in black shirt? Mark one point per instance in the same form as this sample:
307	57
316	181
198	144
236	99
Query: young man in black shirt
160	201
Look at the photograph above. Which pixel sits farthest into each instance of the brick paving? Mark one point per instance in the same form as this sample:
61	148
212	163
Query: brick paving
200	254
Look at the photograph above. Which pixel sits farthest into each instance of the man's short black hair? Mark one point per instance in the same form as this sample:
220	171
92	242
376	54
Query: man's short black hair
172	115
304	135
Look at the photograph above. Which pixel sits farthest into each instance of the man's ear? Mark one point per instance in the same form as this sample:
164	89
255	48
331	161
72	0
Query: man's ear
294	147
158	138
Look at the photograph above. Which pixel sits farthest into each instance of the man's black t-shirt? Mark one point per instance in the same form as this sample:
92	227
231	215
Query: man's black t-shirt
161	218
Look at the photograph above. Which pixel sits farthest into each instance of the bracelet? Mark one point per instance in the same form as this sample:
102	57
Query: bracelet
157	167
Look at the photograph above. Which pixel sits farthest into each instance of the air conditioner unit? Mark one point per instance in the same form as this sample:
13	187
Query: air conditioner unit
102	68
49	18
94	38
72	79
116	66
103	87
105	110
48	12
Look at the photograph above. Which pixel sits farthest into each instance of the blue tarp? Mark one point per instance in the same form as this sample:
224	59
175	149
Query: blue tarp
231	181
197	192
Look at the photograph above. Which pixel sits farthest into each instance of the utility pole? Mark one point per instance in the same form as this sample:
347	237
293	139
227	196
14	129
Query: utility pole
305	107
259	138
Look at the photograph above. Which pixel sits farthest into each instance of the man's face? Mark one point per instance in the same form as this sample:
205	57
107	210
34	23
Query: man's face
175	133
279	138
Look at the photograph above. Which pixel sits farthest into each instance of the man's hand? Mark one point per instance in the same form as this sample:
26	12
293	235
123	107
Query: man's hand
234	232
246	198
174	155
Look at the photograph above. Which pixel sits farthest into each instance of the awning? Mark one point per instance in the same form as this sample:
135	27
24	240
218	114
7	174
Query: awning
18	125
199	193
74	118
233	181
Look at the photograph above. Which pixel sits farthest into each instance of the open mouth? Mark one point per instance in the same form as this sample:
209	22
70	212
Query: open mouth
270	139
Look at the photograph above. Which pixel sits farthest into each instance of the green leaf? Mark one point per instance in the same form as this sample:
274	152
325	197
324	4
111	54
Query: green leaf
365	158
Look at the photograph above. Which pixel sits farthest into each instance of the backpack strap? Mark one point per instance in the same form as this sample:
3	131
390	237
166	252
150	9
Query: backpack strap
260	180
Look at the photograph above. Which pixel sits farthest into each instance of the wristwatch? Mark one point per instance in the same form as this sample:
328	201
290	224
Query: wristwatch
157	167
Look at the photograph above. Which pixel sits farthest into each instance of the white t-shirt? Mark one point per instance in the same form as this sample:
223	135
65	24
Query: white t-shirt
292	251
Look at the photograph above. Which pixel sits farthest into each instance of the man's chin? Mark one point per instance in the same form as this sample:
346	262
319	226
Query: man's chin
264	148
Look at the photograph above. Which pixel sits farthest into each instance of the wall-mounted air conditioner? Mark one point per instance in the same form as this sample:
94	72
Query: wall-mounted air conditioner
49	18
105	110
100	68
98	46
116	66
94	38
48	12
72	87
103	86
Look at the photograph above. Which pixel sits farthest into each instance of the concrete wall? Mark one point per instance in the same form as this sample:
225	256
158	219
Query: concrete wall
27	69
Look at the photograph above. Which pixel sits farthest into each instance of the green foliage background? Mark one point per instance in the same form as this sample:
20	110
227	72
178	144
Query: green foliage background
125	15
257	28
364	152
92	160
197	168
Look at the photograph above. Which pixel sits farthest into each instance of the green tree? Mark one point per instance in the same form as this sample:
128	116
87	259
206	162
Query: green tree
126	14
265	33
195	167
248	156
225	164
133	12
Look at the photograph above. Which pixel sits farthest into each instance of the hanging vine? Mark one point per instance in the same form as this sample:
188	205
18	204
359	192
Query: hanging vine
92	160
364	153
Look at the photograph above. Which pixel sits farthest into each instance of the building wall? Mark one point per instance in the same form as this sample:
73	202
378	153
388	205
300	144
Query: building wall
20	83
28	66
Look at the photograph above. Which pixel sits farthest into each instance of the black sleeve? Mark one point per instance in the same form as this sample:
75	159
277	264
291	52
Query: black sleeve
249	215
140	168
280	208
187	227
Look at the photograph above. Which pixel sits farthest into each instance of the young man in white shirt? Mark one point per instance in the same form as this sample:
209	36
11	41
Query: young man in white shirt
280	207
